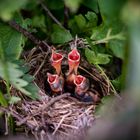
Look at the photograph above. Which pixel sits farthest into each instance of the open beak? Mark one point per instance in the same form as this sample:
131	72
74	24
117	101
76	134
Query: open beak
73	60
56	60
82	84
56	82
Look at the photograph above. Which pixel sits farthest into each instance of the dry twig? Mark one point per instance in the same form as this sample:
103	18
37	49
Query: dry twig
44	6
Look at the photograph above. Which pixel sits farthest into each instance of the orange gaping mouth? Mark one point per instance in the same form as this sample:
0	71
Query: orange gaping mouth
52	78
56	57
79	80
74	56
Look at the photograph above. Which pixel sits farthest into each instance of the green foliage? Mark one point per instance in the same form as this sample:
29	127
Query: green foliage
13	73
60	35
55	4
11	42
117	83
92	19
3	101
80	21
110	10
96	58
118	48
73	4
9	7
91	4
83	24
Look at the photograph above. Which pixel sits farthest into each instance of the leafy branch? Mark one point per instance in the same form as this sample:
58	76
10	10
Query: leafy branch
119	36
27	34
12	70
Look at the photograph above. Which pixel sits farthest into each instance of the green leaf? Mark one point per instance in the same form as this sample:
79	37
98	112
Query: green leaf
60	35
98	58
99	32
55	4
92	18
11	42
116	45
73	26
27	22
31	88
91	4
118	48
102	58
31	5
3	101
117	83
81	25
28	78
110	10
80	21
14	99
8	7
41	23
18	79
73	4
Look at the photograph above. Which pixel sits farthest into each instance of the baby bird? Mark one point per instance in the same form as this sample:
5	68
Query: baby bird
82	91
56	60
73	62
56	83
82	85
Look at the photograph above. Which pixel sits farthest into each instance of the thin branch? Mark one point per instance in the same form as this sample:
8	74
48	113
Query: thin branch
53	100
44	6
27	34
66	16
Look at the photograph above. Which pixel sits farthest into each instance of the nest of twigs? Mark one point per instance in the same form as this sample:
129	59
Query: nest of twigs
62	116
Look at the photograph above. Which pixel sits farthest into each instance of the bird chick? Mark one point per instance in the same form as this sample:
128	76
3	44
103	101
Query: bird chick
82	91
82	84
56	83
73	62
56	60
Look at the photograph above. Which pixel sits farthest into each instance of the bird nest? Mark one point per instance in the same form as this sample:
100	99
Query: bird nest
62	116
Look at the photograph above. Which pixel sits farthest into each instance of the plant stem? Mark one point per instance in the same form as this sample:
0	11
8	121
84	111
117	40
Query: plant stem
108	38
66	16
103	73
6	77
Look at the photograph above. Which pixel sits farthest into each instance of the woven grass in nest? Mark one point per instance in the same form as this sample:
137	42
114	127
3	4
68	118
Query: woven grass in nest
62	116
